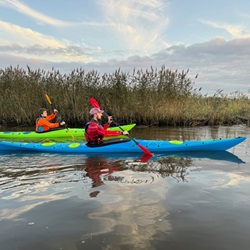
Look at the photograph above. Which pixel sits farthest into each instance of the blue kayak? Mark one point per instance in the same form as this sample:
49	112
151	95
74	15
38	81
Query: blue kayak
123	146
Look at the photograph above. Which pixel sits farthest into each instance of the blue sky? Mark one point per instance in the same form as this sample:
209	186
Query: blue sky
210	38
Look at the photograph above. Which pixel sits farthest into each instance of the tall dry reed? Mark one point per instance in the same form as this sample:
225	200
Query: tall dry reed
150	97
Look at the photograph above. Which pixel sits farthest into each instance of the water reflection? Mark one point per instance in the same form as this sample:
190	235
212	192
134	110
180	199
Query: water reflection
19	170
98	166
42	170
101	169
121	198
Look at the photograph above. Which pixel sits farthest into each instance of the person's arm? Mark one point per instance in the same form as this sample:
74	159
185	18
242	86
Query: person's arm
114	132
107	125
51	117
109	133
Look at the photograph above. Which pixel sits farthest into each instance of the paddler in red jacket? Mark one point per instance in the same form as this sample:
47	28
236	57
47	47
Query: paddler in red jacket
95	132
43	123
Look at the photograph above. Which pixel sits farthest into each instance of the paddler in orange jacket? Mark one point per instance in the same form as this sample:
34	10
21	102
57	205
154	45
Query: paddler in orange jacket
43	123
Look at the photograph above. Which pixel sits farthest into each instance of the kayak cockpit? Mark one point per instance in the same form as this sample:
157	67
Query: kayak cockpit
108	142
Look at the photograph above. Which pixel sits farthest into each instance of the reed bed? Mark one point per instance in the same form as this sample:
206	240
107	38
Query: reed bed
150	97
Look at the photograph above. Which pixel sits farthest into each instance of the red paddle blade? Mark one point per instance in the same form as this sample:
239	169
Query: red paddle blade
145	158
94	103
146	151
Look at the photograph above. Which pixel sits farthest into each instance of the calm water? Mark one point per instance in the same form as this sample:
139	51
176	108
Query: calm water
198	201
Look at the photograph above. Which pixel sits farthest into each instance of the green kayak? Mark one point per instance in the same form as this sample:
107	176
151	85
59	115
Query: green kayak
58	133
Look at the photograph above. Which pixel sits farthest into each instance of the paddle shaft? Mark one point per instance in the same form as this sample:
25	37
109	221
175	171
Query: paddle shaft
49	101
121	128
145	150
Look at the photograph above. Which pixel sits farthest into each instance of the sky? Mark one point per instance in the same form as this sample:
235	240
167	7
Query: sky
211	39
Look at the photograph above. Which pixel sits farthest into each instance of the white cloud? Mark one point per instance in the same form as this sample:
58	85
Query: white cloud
41	18
33	44
138	23
24	42
25	36
22	8
237	31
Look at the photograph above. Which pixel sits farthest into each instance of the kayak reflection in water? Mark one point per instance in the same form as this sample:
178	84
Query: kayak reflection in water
98	166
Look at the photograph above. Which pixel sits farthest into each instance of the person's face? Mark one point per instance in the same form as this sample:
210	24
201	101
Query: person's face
99	116
44	113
